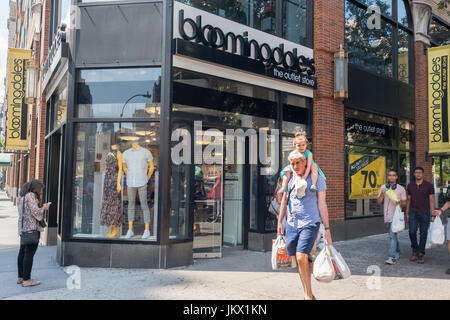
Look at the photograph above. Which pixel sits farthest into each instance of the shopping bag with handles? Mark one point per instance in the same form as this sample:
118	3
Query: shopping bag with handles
398	221
323	269
341	268
280	258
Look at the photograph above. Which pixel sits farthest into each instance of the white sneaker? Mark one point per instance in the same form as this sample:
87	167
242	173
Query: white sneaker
146	234
390	260
129	234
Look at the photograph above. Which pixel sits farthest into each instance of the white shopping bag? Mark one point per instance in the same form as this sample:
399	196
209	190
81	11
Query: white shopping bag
398	222
280	259
437	232
323	269
428	244
341	267
319	243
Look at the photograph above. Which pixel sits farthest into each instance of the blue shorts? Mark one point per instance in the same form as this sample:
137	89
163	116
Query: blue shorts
301	240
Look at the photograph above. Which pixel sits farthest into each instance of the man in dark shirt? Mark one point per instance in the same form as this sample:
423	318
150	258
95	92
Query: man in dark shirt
420	205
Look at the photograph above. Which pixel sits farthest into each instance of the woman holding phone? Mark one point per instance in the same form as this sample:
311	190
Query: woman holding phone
31	216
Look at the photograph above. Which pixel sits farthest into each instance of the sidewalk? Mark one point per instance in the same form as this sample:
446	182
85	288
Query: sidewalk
240	274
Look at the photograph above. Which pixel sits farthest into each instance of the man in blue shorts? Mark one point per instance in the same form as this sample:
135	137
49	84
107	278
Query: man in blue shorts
303	220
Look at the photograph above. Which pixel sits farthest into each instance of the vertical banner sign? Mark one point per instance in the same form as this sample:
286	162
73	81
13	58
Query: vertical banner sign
367	175
17	116
438	99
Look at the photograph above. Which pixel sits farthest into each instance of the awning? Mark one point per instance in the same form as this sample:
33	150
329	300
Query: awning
5	159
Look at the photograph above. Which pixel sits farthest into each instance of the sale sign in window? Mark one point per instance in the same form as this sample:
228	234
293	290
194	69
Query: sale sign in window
367	175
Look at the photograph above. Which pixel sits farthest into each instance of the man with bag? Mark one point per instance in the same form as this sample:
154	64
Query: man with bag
303	220
440	211
393	195
420	205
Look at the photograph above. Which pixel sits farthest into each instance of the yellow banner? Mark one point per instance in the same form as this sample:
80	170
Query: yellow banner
438	99
17	116
367	175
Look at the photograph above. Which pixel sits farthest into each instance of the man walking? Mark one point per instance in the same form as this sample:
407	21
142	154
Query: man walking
440	211
419	207
303	220
392	194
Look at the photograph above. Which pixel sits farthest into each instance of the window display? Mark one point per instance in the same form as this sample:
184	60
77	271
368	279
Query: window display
115	178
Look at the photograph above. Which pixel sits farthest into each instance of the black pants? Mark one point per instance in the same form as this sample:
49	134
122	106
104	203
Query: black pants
25	260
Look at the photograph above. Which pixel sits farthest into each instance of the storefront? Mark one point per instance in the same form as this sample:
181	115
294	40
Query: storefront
116	117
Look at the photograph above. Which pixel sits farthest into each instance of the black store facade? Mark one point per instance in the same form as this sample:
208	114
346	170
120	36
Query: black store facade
167	79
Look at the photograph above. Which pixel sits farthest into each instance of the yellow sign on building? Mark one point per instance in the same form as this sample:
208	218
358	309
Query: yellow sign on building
438	100
367	175
17	115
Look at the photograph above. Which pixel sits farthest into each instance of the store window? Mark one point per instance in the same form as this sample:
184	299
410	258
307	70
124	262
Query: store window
119	93
113	195
374	144
297	18
373	48
439	32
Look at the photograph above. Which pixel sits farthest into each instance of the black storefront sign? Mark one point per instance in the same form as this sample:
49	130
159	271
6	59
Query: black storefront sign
211	44
367	128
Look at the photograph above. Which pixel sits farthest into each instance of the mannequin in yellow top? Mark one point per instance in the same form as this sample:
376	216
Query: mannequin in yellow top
123	166
114	231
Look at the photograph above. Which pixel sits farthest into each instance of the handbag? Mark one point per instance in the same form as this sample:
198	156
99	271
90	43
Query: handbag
28	237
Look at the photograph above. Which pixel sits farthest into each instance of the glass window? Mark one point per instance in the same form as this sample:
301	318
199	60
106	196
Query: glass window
406	135
367	128
404	172
99	211
59	112
369	48
119	93
385	5
404	39
295	21
253	13
439	33
402	13
364	207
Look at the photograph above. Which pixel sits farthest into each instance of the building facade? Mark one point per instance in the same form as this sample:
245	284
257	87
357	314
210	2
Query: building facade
204	99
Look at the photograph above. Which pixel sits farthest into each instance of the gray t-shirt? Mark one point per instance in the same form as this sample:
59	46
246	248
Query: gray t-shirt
304	211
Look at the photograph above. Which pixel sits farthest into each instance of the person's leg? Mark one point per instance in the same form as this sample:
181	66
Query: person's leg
314	177
287	176
20	257
305	243
144	203
413	226
131	203
305	274
393	241
424	224
30	250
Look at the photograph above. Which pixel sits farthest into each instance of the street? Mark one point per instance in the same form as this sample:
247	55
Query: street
240	274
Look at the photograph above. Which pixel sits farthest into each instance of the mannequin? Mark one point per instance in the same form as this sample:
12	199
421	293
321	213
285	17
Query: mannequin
114	231
111	214
136	163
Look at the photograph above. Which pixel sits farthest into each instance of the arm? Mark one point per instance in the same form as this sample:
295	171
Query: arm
283	207
403	204
408	203
432	206
438	212
381	195
323	210
151	168
119	176
33	205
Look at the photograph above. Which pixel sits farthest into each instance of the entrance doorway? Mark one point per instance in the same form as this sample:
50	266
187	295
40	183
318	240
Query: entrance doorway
218	198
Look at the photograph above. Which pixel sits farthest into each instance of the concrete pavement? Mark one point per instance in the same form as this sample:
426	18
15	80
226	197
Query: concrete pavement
240	274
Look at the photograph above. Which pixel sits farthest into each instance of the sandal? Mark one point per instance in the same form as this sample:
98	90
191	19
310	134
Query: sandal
30	283
19	280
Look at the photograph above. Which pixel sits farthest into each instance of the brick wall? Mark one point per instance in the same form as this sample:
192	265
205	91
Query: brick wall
421	108
328	113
